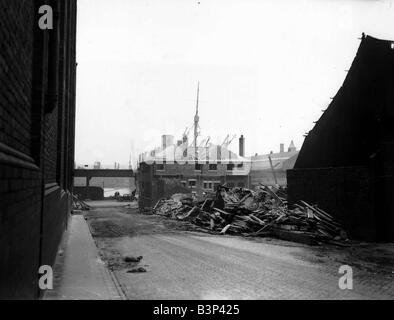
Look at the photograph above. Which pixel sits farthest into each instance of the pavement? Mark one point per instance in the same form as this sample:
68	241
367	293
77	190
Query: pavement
79	272
184	263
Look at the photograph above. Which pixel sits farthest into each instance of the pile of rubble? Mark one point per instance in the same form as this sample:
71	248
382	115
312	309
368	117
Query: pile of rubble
240	211
79	204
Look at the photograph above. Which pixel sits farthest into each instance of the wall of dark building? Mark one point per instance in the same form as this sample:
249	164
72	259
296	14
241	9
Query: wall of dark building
346	163
91	193
145	186
345	192
37	116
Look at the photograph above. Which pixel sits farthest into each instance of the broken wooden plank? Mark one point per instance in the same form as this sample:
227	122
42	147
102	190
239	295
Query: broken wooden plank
225	229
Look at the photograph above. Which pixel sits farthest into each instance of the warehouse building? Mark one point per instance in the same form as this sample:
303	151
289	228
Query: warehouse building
175	169
37	116
271	169
346	163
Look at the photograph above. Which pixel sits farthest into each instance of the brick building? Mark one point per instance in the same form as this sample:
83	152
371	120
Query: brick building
346	163
37	116
271	169
175	169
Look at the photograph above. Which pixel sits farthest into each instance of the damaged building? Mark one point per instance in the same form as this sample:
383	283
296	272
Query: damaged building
346	163
195	167
183	169
271	169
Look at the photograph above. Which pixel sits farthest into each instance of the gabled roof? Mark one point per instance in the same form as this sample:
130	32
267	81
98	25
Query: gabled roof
360	115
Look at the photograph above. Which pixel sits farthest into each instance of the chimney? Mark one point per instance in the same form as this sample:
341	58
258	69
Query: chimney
242	146
282	148
167	141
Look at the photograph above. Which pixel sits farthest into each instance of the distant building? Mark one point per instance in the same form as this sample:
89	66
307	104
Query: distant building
270	169
175	170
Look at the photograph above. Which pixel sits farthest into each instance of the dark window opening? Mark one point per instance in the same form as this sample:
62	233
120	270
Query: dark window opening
216	185
208	185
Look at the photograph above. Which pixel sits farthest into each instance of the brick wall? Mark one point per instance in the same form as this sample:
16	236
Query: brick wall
37	105
267	178
16	32
91	193
157	181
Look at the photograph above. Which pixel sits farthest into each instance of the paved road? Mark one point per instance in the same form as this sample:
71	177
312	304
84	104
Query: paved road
185	264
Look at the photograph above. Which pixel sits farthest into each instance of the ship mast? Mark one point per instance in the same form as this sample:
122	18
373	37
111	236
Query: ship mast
196	123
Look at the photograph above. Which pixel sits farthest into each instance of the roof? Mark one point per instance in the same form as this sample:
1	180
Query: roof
292	146
282	160
211	153
359	117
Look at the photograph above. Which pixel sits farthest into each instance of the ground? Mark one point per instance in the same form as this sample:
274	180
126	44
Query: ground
185	262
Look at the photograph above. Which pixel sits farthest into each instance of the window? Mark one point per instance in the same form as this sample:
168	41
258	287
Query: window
184	184
208	185
192	183
240	165
198	167
213	167
230	167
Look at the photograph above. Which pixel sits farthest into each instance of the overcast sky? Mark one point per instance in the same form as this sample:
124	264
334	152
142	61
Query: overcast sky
266	68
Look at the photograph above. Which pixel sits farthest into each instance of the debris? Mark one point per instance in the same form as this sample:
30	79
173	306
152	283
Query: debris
133	259
225	229
79	205
264	212
137	270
